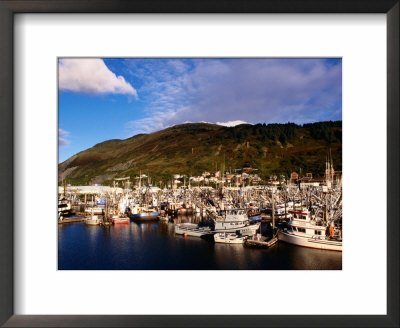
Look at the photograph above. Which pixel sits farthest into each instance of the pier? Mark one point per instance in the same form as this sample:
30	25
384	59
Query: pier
71	220
261	242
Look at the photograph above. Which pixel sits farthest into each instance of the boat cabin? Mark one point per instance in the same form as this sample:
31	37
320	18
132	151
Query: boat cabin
303	216
231	219
302	224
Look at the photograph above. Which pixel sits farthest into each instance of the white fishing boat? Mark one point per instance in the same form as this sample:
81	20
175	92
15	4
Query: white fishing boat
64	208
94	220
229	238
306	232
235	220
120	219
191	229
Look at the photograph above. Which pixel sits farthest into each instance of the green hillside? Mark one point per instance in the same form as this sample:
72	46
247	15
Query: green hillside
197	147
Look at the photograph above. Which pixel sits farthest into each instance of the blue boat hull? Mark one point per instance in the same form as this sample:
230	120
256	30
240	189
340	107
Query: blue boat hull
145	216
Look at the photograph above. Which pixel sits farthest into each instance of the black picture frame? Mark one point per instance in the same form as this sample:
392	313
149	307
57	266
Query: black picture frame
10	7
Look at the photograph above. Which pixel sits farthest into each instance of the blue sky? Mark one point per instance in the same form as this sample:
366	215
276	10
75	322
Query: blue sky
102	99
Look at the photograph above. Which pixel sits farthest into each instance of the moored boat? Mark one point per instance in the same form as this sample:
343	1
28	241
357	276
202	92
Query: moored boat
64	208
303	231
94	220
192	229
235	220
143	213
116	219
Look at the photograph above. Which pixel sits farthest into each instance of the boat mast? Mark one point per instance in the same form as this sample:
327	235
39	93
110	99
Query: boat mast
332	172
223	173
326	209
285	203
106	208
273	212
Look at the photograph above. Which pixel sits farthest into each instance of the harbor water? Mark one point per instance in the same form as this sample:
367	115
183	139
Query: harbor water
154	246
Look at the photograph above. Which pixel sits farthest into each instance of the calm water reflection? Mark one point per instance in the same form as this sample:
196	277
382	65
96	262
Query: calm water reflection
155	246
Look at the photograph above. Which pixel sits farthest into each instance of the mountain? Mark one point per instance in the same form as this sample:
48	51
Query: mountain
197	147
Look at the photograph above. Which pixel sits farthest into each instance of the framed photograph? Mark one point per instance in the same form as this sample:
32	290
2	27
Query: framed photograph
201	171
200	160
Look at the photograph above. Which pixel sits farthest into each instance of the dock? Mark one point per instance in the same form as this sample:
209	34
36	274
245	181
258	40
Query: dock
261	242
71	220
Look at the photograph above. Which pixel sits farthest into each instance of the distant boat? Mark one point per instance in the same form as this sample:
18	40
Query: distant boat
116	219
192	229
64	208
143	214
94	220
303	231
120	218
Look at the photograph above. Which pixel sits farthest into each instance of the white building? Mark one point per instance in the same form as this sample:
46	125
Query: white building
90	190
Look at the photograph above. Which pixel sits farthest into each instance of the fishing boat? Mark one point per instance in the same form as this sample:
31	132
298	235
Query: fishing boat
117	219
94	220
172	208
64	208
303	231
235	220
192	229
143	213
229	238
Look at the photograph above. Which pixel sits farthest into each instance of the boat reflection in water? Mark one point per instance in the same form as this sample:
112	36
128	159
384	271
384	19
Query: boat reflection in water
154	246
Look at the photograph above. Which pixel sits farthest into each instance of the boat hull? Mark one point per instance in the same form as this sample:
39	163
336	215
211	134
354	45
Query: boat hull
94	220
192	231
144	216
120	221
304	241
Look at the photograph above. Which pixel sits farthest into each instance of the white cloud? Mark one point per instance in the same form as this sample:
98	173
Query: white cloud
232	123
159	121
63	140
92	76
237	90
63	133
